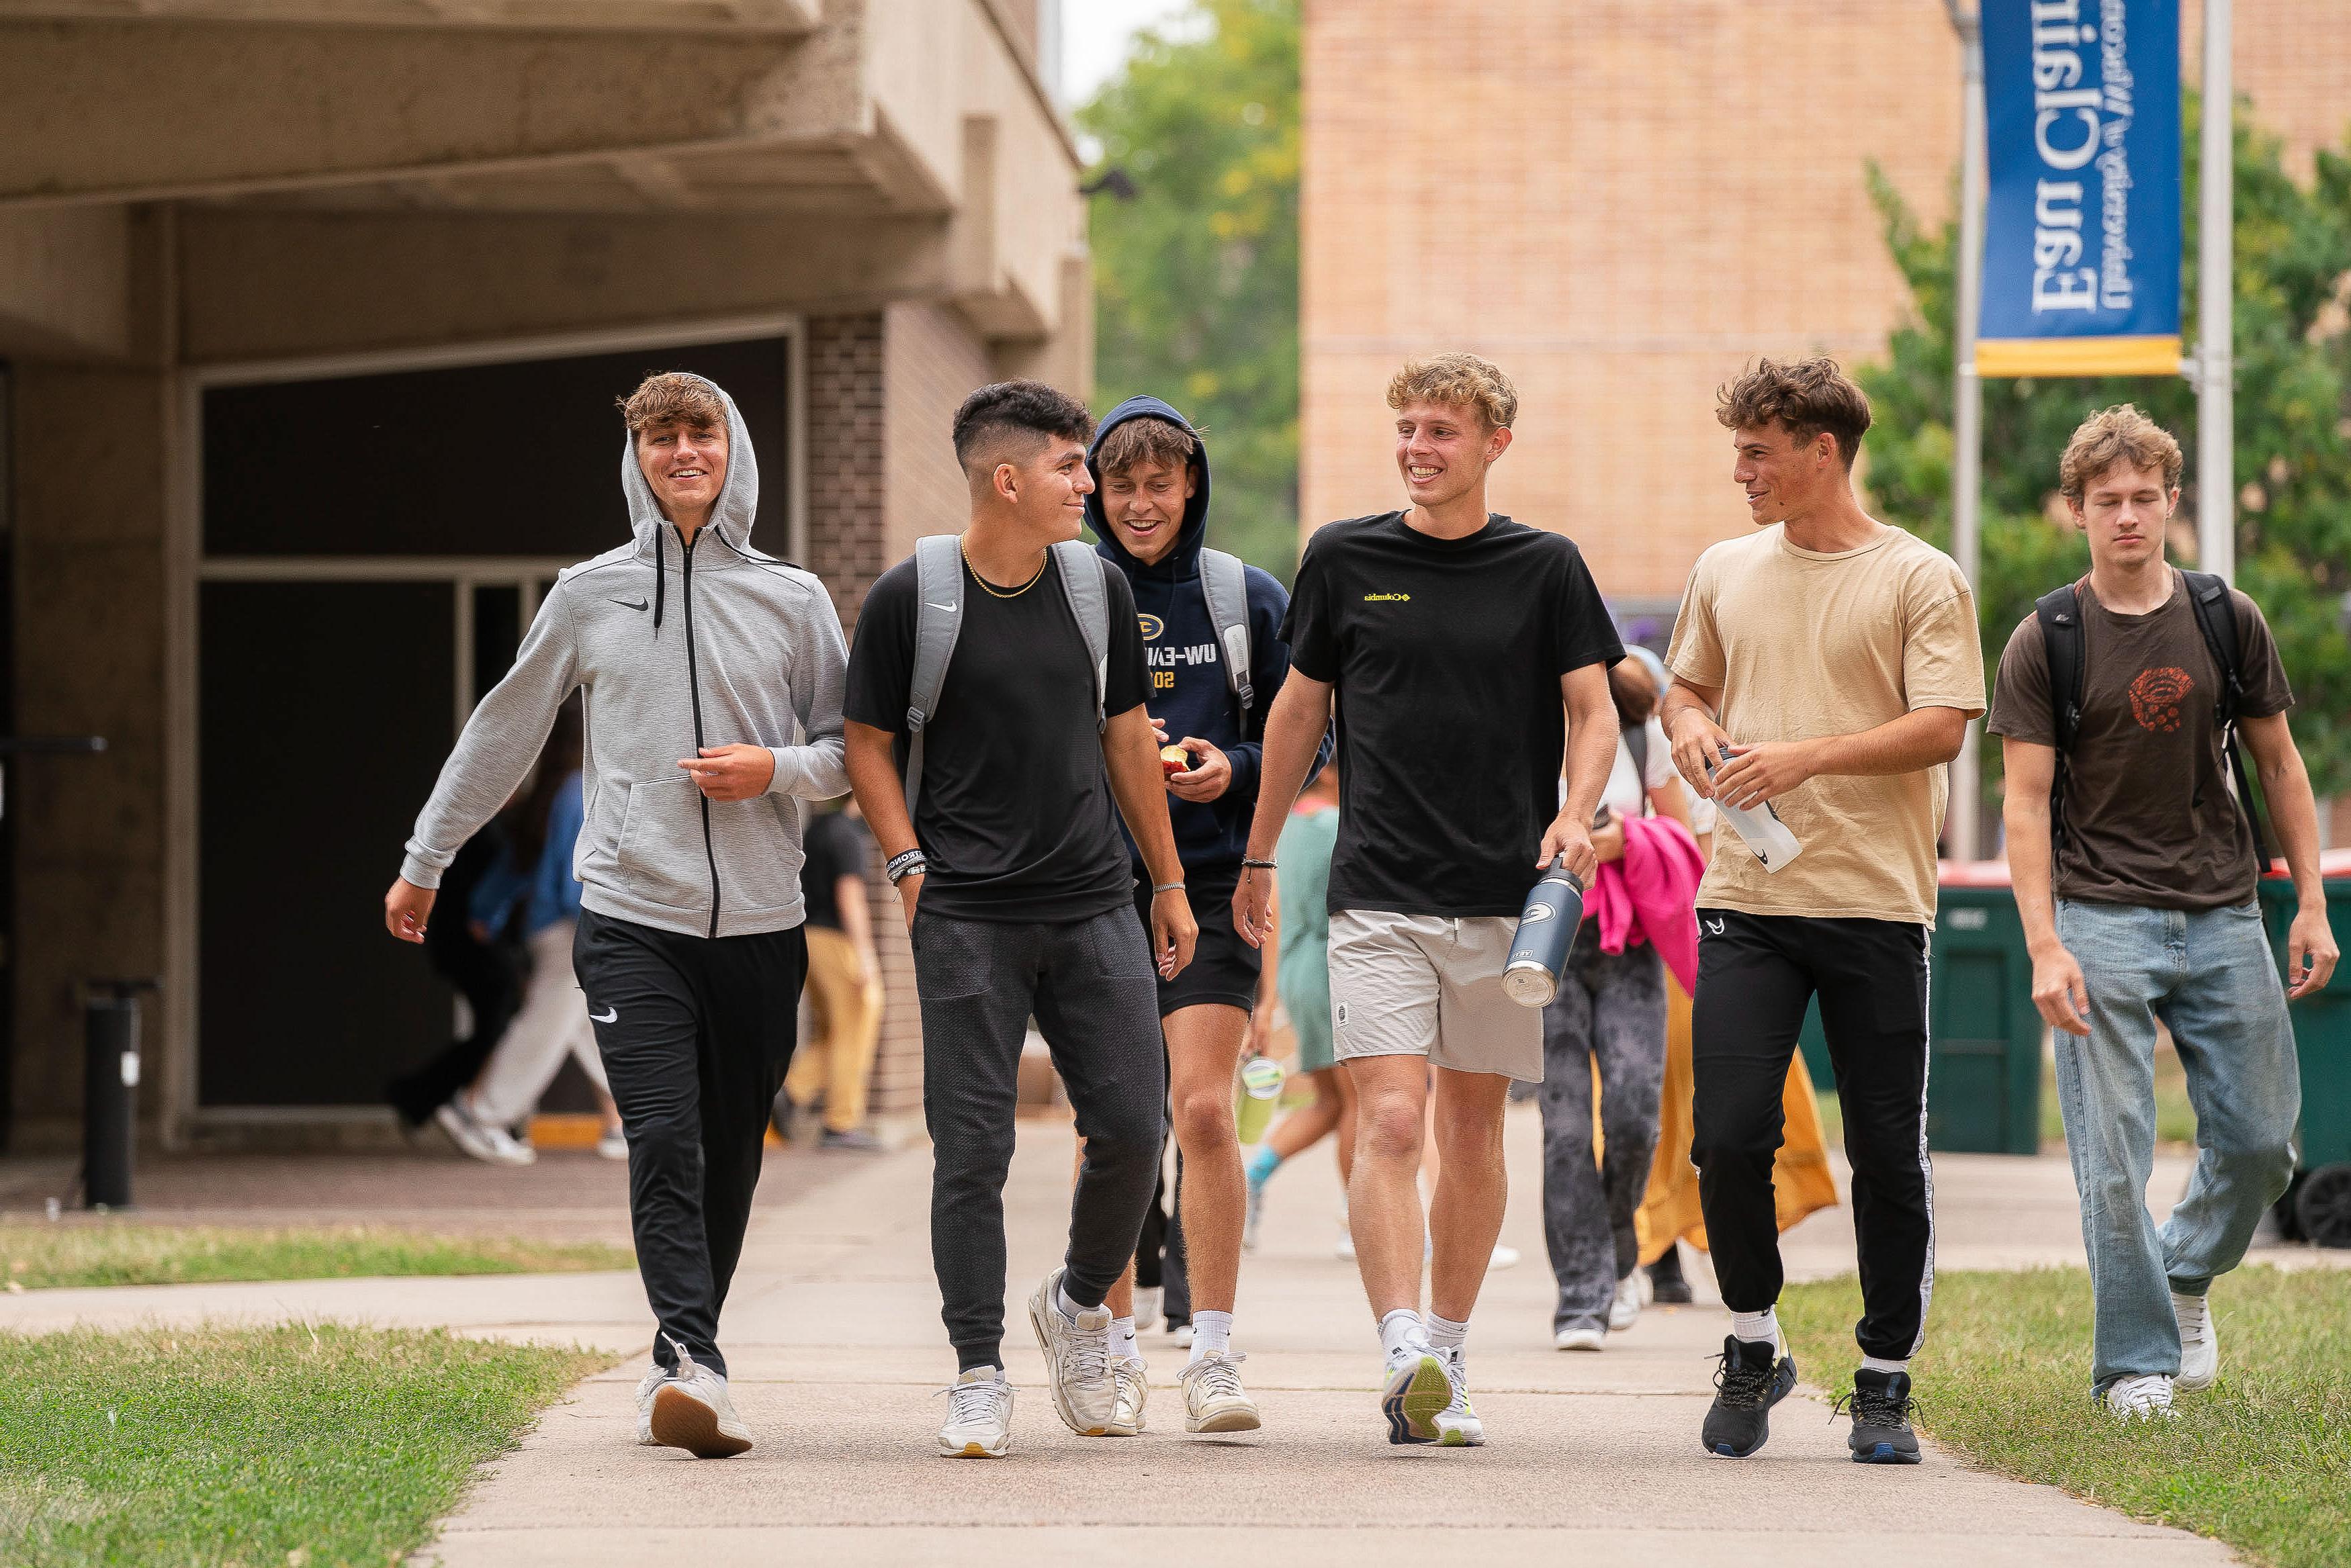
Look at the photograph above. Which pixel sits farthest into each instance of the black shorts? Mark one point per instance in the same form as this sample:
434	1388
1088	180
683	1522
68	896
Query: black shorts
1223	968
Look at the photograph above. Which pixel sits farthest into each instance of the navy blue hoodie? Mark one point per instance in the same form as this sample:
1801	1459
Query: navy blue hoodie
1188	692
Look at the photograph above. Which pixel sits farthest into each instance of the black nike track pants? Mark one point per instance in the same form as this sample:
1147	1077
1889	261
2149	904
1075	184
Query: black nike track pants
695	1032
1755	973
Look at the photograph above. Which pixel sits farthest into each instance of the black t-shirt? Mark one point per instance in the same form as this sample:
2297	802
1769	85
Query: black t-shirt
1016	816
835	846
1446	654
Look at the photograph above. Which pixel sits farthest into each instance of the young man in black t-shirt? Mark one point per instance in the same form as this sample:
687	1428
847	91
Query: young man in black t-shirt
1466	651
1018	893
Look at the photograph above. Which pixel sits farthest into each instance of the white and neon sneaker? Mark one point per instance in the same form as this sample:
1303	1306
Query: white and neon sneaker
1077	1360
2199	1342
1214	1399
979	1415
1134	1393
694	1411
646	1390
1458	1426
1414	1390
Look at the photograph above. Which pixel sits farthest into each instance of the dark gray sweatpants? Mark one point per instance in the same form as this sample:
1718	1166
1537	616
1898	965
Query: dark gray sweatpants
1609	1010
1090	986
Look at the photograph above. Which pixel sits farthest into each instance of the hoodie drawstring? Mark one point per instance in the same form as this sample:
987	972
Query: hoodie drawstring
660	579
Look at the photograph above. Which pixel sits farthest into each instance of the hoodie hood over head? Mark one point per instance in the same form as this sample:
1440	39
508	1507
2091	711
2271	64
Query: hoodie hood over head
731	517
1183	562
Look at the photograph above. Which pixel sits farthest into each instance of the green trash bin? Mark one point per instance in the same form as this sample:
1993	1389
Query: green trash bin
1984	1035
2317	1208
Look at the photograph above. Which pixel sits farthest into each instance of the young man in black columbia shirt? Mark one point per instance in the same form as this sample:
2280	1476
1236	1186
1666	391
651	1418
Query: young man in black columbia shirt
1460	647
1019	895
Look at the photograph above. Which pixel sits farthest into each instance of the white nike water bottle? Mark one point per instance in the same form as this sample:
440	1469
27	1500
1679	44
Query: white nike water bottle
1760	829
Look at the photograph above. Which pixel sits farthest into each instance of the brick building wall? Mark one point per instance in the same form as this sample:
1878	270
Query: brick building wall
1622	201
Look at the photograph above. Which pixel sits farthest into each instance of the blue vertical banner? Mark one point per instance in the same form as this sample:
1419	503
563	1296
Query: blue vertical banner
2082	224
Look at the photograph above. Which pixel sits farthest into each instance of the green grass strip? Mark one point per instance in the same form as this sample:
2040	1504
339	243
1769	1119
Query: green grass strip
45	1256
2262	1461
263	1446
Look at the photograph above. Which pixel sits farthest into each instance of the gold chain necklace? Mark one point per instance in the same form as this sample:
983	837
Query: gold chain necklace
991	589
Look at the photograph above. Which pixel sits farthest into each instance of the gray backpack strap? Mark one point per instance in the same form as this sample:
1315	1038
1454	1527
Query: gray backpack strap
938	619
1081	585
1224	579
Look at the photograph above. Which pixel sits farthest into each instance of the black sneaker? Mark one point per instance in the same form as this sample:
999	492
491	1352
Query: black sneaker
1667	1285
1749	1382
1880	1406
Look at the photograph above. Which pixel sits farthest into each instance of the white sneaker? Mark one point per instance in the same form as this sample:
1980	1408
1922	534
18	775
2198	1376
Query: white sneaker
1214	1399
1077	1360
613	1145
1458	1426
2200	1342
2140	1398
1345	1249
979	1415
1182	1335
652	1380
1625	1310
490	1145
1416	1389
1147	1308
1134	1393
1503	1258
1579	1339
693	1411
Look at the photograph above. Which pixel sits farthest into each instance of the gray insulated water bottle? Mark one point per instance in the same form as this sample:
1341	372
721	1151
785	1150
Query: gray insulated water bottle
1546	930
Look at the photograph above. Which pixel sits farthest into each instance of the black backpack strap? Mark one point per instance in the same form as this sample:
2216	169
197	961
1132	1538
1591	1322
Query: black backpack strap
2216	618
1637	741
2059	611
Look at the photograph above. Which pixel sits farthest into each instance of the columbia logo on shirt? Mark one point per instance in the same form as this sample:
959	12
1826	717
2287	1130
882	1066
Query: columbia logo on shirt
1387	598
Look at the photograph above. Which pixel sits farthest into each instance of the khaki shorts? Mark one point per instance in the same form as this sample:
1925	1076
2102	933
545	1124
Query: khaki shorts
1427	985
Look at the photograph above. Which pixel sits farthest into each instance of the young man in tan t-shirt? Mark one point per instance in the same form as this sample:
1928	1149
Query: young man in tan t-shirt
1836	660
2154	914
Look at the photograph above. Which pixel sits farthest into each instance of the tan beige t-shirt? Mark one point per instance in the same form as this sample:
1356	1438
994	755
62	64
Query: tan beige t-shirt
1804	644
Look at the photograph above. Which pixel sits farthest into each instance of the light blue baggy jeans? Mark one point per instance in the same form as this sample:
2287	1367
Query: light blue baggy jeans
2209	976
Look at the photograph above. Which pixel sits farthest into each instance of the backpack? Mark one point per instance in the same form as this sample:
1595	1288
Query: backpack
2059	612
1224	581
938	621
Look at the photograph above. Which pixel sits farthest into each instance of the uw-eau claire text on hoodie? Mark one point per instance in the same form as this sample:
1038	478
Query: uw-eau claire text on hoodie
673	647
1189	692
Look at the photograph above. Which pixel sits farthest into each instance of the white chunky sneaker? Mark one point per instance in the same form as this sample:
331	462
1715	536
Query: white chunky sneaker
1133	1393
1579	1339
645	1389
490	1145
1077	1360
1214	1399
1458	1426
979	1415
2141	1398
2200	1342
693	1411
1625	1310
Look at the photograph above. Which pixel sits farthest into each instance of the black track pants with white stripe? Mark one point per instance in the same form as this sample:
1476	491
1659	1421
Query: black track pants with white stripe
1755	973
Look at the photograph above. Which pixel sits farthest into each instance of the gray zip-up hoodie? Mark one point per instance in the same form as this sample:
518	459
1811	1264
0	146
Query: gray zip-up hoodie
673	649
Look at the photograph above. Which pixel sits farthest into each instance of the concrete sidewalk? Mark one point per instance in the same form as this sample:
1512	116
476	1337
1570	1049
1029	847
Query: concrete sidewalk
837	1353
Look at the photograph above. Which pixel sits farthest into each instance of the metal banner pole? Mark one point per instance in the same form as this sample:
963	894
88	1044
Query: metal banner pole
2216	471
1966	411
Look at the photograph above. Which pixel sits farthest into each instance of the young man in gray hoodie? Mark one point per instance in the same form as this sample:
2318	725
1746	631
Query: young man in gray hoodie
712	676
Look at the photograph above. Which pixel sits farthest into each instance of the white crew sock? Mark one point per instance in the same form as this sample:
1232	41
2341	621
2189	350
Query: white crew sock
1070	1308
1400	1328
1444	1334
1121	1340
1881	1363
1755	1327
1212	1334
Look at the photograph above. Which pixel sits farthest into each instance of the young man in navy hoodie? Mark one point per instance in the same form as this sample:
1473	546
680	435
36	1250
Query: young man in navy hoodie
1150	512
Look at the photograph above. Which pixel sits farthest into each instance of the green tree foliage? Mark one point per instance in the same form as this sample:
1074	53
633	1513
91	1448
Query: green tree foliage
1196	279
2292	418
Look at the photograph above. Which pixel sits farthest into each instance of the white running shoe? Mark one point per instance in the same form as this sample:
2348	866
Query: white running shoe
2147	1398
1579	1339
693	1411
613	1145
1458	1426
1503	1258
490	1145
1625	1310
2200	1342
1077	1360
979	1415
1345	1247
1147	1308
652	1380
1412	1394
1182	1335
1214	1399
1133	1393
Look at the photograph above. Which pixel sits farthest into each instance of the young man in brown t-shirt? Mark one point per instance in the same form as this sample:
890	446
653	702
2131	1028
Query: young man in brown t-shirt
2154	913
1836	658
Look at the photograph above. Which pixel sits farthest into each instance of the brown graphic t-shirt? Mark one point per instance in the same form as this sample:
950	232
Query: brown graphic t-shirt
2150	819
